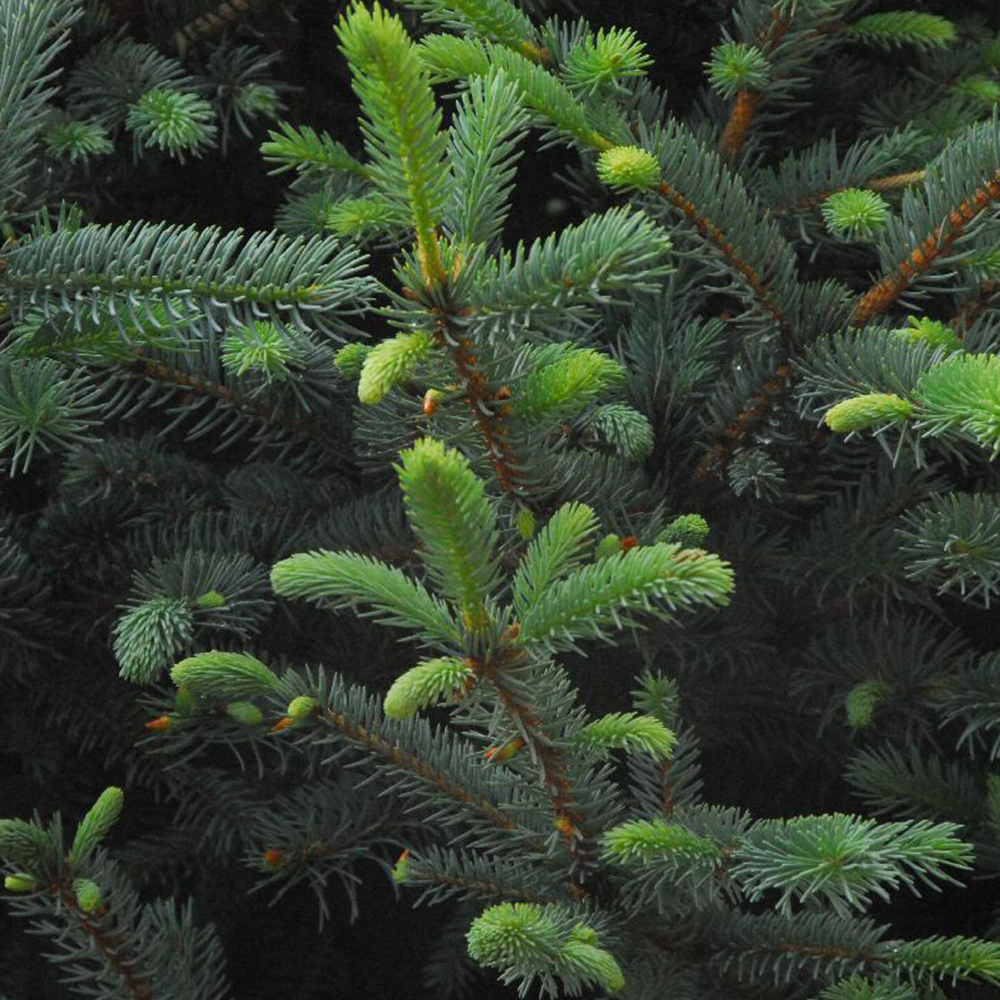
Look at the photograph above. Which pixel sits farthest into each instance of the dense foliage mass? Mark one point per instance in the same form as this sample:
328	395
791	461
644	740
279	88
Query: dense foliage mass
580	510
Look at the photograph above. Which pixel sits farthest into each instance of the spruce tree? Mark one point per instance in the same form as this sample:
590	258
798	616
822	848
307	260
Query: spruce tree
628	593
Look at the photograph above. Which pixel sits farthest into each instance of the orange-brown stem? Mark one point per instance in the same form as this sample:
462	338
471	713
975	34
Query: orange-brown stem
881	295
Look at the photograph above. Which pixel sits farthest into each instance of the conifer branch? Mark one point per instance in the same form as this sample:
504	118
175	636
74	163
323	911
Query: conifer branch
741	117
936	245
214	22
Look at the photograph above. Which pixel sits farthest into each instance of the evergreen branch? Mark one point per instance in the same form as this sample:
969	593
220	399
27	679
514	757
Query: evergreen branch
973	700
893	28
105	938
33	36
844	859
885	987
494	20
448	510
402	133
489	410
823	946
594	597
737	126
955	539
115	73
924	786
303	149
430	777
345	579
618	249
213	22
131	267
958	957
448	58
484	130
979	148
558	550
40	405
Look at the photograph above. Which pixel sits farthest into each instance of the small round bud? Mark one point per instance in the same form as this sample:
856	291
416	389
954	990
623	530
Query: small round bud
525	522
628	167
399	870
855	214
213	599
245	712
609	545
184	701
302	707
88	894
19	883
863	699
431	400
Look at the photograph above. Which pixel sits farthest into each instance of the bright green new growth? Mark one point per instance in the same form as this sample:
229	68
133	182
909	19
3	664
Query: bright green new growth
560	547
689	530
628	731
217	674
863	699
98	821
736	66
88	894
456	524
855	214
962	395
405	144
174	121
645	839
628	167
390	362
863	411
601	60
425	684
895	28
257	347
245	712
350	359
542	941
605	594
566	385
931	331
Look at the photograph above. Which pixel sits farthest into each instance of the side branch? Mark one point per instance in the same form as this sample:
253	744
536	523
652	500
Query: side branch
715	236
567	820
112	947
741	117
489	412
881	295
747	423
416	765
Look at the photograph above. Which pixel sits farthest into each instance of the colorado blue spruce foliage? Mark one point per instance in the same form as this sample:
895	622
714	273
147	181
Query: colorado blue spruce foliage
627	593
